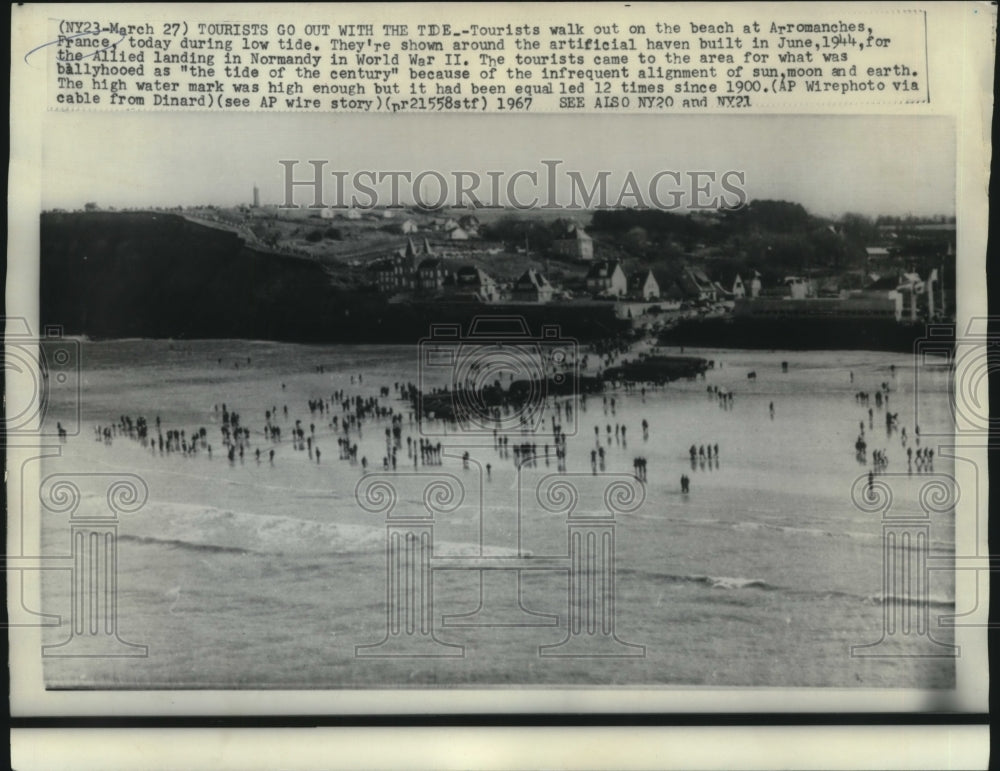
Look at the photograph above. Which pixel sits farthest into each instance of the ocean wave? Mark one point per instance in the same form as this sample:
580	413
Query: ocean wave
211	529
728	582
895	599
176	544
714	582
821	533
738	582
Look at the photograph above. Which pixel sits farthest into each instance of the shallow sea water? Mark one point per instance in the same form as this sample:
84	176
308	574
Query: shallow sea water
262	576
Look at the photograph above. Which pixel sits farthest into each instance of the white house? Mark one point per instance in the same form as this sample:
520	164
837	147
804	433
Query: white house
532	287
475	283
577	245
644	285
607	277
798	287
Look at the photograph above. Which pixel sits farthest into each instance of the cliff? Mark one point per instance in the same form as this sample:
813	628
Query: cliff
109	274
159	275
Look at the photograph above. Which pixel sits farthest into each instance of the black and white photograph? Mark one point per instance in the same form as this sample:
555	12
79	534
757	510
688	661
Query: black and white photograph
603	411
625	446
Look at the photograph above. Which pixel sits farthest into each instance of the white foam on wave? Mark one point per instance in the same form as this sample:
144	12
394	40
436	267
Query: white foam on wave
821	533
730	582
895	599
713	582
180	525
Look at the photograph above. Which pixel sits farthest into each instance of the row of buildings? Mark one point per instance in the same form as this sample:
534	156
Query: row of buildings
422	270
419	271
902	297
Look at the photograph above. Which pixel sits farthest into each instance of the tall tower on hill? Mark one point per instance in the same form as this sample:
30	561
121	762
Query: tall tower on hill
256	197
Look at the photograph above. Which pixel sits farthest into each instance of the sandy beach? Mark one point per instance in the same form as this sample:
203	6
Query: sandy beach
269	575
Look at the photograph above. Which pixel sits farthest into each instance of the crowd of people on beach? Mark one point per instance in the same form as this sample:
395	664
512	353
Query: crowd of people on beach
400	413
723	396
922	461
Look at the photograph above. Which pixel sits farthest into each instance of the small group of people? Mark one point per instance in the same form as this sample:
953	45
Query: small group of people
724	397
619	434
704	451
597	460
922	459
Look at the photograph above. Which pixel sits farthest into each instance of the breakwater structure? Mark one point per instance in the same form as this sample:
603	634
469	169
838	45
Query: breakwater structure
452	405
657	370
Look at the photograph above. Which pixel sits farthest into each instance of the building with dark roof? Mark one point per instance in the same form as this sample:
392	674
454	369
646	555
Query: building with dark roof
532	287
643	284
472	283
575	245
608	278
398	272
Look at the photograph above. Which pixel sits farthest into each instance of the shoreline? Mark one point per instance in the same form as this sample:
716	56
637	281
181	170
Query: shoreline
226	556
648	345
811	335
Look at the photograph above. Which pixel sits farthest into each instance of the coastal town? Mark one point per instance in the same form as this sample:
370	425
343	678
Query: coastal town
771	260
746	372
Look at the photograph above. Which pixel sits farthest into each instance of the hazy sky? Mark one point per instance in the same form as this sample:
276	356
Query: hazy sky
830	164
